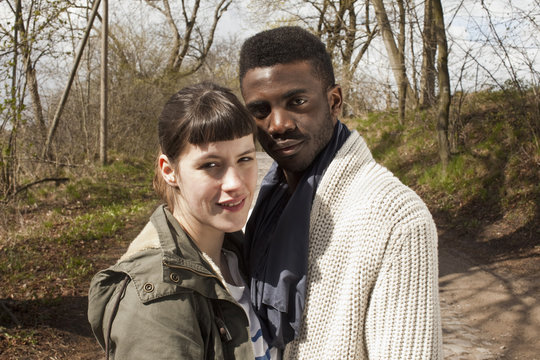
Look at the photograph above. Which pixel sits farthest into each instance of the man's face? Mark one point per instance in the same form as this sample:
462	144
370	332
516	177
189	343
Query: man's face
295	114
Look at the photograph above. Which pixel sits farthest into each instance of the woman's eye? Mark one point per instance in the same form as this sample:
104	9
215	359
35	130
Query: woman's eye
209	165
246	158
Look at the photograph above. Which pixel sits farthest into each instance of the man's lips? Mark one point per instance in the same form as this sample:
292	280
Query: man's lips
286	147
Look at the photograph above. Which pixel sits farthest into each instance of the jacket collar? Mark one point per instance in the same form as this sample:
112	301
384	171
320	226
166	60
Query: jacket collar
163	260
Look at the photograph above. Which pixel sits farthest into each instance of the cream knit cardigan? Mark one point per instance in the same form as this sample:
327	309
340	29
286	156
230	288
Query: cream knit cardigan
373	275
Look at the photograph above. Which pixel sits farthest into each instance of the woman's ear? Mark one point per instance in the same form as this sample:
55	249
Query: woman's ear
167	170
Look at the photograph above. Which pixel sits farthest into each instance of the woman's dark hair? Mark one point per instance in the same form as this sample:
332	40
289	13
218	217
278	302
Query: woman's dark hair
198	114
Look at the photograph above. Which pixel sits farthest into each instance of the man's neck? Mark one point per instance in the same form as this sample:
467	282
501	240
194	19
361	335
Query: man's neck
292	178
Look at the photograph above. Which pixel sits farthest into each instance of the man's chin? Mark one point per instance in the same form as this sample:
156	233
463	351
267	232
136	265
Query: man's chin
292	165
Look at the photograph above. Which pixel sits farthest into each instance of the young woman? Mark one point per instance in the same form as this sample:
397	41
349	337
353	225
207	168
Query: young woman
178	292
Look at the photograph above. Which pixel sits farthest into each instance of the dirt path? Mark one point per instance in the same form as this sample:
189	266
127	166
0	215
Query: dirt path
486	313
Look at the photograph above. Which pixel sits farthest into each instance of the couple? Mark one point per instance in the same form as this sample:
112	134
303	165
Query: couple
339	259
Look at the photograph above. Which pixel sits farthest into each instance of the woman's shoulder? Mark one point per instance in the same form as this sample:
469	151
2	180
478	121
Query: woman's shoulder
147	239
140	265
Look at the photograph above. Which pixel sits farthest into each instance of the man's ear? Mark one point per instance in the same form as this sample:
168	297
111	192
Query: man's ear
335	101
167	170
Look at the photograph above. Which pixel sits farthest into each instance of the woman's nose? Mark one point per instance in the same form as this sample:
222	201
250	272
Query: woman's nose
232	179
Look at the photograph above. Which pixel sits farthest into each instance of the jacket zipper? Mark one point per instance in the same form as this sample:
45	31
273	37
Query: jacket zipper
223	330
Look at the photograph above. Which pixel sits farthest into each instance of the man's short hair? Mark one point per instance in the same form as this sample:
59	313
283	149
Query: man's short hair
285	45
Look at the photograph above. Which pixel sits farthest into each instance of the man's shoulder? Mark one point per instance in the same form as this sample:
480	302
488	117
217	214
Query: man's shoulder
354	160
355	166
356	178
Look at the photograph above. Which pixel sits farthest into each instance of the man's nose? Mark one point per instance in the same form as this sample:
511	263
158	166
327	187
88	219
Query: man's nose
280	122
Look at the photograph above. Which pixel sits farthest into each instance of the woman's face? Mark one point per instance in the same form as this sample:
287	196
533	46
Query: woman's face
216	184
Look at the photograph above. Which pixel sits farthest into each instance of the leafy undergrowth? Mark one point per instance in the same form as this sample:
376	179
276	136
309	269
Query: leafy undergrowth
490	193
52	242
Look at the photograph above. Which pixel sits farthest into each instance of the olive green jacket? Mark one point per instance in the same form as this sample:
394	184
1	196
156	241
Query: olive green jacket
163	300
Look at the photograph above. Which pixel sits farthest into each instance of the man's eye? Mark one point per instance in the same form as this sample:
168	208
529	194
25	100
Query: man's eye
298	102
260	111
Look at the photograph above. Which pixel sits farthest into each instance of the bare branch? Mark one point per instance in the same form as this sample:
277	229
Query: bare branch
27	186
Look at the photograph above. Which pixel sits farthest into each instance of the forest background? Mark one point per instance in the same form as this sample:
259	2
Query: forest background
446	94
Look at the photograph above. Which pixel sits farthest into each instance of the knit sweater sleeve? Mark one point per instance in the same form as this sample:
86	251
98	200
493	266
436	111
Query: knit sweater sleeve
403	320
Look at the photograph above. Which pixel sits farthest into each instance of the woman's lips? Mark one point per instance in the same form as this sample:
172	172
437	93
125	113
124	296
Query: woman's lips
234	205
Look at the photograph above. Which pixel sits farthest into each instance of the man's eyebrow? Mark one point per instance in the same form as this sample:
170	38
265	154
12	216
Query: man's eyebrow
256	103
293	92
288	94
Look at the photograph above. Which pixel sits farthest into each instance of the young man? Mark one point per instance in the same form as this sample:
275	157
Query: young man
342	257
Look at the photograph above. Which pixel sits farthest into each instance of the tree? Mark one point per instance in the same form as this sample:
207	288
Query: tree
499	52
103	114
429	49
27	40
29	30
394	56
403	81
345	26
339	23
444	84
196	40
7	151
75	66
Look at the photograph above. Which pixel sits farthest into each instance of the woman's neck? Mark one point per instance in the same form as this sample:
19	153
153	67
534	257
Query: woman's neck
211	242
207	239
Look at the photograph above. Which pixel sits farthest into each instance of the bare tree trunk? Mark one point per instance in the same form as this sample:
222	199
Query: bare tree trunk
60	108
181	46
8	154
427	80
348	73
177	43
403	82
444	85
414	73
32	83
351	45
86	111
85	92
104	88
31	79
392	49
190	24
346	28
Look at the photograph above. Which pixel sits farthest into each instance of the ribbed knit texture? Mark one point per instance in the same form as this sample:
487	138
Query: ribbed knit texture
373	275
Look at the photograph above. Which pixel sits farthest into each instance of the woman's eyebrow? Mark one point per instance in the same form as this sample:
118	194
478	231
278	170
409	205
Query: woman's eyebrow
216	155
249	151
